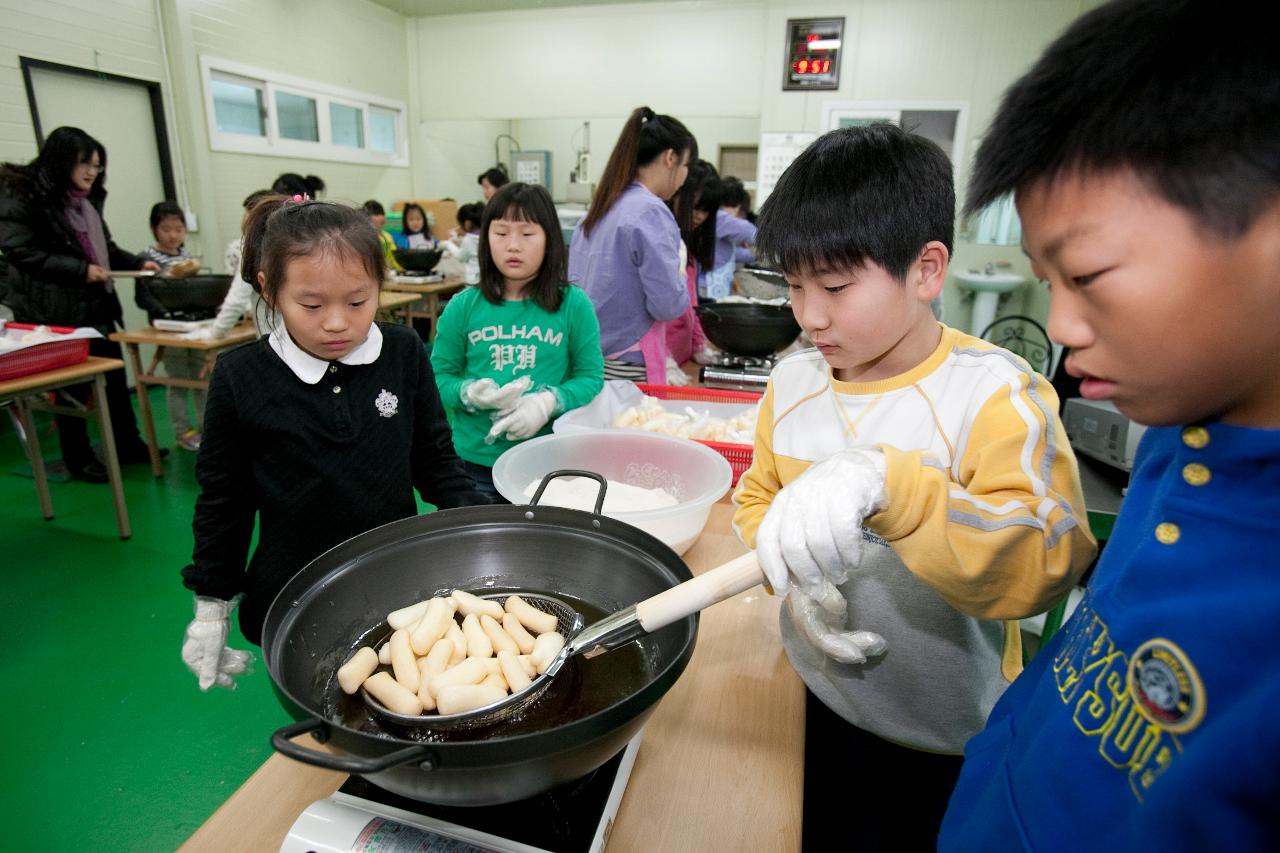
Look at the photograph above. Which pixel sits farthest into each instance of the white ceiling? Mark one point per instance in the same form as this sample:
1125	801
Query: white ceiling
421	8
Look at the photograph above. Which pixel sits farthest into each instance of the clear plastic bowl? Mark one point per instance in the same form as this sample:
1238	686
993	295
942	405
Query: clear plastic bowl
695	475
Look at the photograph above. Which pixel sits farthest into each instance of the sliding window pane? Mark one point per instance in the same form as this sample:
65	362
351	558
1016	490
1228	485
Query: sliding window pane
346	125
238	108
382	130
296	115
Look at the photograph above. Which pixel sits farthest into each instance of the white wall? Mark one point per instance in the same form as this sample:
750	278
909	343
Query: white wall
718	67
354	44
541	74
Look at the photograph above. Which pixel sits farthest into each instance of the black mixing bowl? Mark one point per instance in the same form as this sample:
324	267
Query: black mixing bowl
420	261
195	295
747	328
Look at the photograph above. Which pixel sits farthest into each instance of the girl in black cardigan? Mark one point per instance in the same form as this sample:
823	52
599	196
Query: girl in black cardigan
321	430
57	251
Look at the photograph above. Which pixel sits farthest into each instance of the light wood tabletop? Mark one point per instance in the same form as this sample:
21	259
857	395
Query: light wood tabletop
23	391
720	767
162	340
430	291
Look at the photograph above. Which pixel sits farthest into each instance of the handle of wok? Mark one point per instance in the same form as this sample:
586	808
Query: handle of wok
282	741
703	591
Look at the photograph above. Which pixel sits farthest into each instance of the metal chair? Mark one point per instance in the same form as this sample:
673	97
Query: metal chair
1022	336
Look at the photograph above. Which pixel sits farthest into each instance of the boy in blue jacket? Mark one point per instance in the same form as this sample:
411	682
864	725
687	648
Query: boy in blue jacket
1144	153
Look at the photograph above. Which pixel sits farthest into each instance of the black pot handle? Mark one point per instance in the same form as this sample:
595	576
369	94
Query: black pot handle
282	741
571	473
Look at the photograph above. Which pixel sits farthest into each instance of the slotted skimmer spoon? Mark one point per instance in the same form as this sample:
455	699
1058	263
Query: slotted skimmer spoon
609	633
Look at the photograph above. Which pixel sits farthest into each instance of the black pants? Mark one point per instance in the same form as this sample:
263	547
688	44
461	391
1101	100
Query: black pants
864	793
73	432
484	481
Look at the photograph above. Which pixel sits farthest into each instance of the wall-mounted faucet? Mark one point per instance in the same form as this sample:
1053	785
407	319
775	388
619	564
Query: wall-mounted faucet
989	269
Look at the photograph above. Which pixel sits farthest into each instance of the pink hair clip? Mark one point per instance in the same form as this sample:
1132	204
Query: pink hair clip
298	197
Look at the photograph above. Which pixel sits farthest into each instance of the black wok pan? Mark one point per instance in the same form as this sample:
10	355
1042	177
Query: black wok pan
319	618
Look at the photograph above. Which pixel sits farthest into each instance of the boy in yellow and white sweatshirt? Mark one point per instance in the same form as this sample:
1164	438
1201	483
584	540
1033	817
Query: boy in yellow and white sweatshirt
909	481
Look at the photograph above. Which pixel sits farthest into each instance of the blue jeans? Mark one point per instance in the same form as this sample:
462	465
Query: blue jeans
483	476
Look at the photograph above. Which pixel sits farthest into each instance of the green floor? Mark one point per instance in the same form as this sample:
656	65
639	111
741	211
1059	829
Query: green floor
110	745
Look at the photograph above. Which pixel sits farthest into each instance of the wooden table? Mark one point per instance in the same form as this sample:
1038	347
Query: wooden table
142	378
394	302
22	391
721	765
429	290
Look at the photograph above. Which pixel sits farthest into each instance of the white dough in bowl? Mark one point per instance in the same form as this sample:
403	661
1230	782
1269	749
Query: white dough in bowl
580	493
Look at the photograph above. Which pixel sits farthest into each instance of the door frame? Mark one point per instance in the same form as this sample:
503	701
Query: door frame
153	93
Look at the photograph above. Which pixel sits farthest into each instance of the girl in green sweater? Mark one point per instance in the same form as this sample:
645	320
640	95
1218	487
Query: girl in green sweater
523	346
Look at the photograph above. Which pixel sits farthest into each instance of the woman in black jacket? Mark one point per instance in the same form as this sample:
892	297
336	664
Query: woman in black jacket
57	252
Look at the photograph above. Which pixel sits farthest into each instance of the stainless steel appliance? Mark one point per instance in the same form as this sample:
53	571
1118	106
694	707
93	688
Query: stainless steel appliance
738	372
1097	428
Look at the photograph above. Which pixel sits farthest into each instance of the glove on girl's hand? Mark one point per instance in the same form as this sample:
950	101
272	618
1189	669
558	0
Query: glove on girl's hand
204	333
204	648
487	394
813	529
822	621
530	414
675	376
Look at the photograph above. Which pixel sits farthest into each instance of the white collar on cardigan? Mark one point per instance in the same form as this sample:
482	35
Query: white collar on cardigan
310	369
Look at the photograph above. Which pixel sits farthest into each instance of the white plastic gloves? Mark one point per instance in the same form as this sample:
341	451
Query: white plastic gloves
822	621
530	414
812	533
204	333
487	394
675	376
706	356
204	648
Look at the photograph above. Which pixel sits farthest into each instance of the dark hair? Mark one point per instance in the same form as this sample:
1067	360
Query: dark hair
733	194
162	210
404	220
49	173
254	197
496	176
694	194
525	203
315	185
859	195
643	138
1183	93
279	230
373	207
291	184
473	212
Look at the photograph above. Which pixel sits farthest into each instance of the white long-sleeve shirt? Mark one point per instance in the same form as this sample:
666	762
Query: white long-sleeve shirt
241	299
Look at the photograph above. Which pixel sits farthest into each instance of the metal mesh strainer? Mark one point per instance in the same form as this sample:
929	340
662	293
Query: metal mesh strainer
569	623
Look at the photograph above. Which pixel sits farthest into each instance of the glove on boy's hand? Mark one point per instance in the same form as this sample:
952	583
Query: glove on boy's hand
530	414
813	529
822	620
204	648
487	394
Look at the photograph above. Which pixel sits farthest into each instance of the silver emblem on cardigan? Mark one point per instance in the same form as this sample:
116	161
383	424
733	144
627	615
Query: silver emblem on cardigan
387	403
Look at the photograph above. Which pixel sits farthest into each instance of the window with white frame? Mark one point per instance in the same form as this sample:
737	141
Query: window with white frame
256	111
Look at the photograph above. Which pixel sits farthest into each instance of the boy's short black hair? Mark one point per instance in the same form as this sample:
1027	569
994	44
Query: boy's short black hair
1184	93
373	207
162	210
496	176
473	213
859	195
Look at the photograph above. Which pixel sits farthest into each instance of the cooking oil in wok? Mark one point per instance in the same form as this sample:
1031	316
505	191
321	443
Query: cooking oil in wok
581	688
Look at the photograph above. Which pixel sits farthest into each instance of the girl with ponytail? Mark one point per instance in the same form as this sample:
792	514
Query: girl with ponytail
625	252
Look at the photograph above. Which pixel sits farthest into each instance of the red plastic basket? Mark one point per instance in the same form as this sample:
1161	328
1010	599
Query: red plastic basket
737	455
42	357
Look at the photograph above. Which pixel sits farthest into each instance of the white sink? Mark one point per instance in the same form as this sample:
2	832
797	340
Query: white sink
993	282
987	289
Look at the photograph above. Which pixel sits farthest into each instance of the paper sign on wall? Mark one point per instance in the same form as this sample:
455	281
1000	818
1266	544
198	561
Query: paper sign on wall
777	150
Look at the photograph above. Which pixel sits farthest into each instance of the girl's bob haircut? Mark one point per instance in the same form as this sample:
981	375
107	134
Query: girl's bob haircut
525	203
